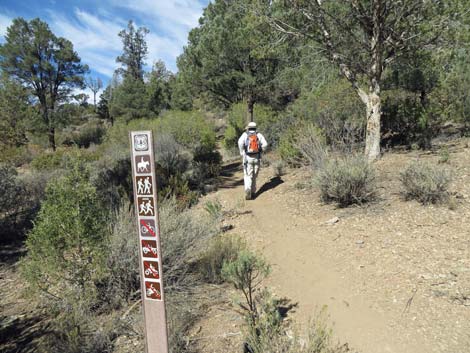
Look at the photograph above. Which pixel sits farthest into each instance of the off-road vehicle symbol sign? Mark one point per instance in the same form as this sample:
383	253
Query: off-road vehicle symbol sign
151	270
142	164
144	185
147	228
149	248
152	290
141	142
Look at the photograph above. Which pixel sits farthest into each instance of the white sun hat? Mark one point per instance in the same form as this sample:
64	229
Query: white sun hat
251	125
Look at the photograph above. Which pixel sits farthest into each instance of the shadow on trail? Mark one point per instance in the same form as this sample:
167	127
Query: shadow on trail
20	334
227	180
274	182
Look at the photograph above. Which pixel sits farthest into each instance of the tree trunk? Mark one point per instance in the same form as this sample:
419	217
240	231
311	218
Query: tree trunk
250	104
94	100
51	135
374	113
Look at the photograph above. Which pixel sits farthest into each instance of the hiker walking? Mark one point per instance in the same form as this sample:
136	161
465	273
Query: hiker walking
251	144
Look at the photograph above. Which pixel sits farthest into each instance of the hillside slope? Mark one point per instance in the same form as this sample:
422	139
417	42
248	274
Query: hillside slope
395	275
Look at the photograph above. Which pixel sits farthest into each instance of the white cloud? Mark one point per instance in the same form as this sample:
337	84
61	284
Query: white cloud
5	21
95	35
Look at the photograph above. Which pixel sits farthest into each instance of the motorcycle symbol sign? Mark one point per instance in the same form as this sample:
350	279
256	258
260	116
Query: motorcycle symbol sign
151	270
147	228
149	248
143	165
144	185
146	206
153	290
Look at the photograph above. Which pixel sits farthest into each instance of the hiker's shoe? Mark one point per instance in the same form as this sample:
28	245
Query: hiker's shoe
247	195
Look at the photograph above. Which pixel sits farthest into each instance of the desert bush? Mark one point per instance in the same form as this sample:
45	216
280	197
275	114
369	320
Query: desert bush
266	119
66	245
337	111
312	146
278	168
189	129
288	151
121	283
62	158
222	249
246	273
184	237
11	190
425	183
170	156
177	188
346	181
214	209
90	133
207	160
16	156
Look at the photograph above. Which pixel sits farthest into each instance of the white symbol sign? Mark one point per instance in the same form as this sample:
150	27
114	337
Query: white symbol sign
146	207
141	143
143	166
144	186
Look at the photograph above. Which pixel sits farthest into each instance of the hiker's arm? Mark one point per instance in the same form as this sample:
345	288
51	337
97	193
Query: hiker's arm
264	143
241	144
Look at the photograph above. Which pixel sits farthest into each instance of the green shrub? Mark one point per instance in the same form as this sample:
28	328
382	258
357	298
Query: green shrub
122	280
91	133
336	110
266	119
288	150
246	273
16	156
222	249
347	181
184	237
425	183
62	158
11	190
170	156
214	209
66	245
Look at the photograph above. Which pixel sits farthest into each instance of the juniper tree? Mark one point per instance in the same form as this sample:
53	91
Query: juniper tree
44	63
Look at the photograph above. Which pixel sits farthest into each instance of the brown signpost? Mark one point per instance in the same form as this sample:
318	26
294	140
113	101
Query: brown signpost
145	196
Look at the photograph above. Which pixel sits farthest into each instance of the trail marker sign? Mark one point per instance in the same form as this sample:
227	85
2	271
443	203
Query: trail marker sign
146	205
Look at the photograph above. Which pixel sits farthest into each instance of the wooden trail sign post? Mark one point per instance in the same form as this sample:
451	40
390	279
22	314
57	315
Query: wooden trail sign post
150	254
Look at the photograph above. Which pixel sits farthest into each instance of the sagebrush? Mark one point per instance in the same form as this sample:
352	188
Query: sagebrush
425	182
346	181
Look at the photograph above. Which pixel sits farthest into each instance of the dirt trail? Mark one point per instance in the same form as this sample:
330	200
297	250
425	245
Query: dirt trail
373	306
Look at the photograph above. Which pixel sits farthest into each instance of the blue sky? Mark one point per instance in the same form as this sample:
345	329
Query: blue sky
93	26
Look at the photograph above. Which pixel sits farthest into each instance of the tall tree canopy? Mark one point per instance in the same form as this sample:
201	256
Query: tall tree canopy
44	63
229	57
134	51
362	37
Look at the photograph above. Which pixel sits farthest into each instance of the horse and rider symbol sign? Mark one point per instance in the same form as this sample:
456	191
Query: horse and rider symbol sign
142	164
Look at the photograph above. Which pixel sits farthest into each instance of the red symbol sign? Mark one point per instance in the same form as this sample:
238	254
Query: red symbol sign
147	228
152	290
151	270
144	185
143	165
149	248
146	206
